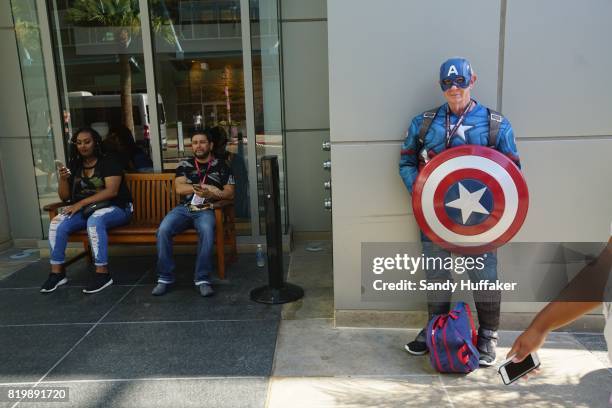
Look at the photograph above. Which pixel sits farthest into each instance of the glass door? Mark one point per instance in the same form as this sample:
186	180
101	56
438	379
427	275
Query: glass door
199	76
98	51
267	91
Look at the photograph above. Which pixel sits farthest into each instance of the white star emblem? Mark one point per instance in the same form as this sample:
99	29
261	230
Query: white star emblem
461	131
468	202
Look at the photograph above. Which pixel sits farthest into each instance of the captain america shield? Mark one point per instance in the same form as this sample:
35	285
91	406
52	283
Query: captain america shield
470	199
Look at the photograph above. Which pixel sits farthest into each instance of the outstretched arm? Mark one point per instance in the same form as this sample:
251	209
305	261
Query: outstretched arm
588	284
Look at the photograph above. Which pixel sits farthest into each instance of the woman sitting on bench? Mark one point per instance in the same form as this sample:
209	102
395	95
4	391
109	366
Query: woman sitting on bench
99	200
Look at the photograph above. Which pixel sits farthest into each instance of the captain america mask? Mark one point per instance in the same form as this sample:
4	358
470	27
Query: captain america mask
455	71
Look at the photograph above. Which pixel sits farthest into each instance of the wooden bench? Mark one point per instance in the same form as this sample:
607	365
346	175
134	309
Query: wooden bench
154	197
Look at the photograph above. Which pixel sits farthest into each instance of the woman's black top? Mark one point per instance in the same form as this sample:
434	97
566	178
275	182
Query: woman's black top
83	187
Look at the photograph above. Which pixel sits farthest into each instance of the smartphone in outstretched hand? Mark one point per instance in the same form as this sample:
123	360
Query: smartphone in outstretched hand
510	372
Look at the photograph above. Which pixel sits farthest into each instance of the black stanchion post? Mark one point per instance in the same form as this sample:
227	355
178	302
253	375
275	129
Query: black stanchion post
278	291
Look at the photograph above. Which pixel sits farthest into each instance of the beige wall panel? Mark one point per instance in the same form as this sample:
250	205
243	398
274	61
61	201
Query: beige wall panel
348	234
6	16
514	266
385	57
305	176
366	180
565	178
570	190
554	69
12	104
21	195
303	9
305	73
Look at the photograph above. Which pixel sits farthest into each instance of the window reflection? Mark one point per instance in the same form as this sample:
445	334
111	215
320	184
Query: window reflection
201	81
37	102
101	68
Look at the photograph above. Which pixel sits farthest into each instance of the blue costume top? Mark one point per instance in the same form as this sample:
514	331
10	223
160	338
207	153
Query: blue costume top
474	130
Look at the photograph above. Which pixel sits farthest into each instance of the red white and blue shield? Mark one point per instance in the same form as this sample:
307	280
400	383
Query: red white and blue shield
470	199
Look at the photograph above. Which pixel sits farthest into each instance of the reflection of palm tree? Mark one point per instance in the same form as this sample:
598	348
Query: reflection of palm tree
26	31
123	18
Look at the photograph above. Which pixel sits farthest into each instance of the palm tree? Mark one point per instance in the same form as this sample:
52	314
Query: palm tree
122	17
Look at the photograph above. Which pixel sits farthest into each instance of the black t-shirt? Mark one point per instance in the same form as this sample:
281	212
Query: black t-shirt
83	187
218	175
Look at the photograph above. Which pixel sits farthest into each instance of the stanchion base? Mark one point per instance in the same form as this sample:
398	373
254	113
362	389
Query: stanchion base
287	293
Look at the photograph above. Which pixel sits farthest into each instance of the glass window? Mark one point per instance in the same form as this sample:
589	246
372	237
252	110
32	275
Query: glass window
100	65
37	102
199	76
265	43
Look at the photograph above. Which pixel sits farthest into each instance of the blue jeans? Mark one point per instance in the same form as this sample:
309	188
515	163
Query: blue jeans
487	302
175	222
431	250
97	224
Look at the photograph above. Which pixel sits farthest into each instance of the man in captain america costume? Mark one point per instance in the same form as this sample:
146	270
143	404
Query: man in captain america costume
460	121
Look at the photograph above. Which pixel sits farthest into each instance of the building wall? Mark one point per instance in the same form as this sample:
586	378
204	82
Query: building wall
5	229
15	146
544	75
306	105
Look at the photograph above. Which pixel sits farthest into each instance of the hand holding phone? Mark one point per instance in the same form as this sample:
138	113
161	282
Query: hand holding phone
63	171
510	372
198	190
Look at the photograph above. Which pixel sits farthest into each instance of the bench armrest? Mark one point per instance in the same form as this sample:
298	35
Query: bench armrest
222	204
55	206
52	208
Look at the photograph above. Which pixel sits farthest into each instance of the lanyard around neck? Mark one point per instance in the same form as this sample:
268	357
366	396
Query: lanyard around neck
451	132
203	179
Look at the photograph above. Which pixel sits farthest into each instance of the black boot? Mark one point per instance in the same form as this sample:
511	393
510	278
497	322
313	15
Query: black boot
418	346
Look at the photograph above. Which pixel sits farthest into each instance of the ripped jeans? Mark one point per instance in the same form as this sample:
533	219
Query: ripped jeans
101	220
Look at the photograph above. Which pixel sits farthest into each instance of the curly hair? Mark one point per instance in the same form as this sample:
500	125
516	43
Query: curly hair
74	158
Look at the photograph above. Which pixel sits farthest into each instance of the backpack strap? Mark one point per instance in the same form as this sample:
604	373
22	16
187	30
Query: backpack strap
495	120
428	118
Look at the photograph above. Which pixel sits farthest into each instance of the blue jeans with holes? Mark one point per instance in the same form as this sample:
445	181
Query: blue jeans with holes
97	224
175	222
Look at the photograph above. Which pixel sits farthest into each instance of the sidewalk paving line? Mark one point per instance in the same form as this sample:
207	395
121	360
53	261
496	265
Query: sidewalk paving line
3	326
91	329
356	376
81	286
105	380
450	401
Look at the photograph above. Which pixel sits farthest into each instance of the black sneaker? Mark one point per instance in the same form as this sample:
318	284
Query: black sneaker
418	346
487	344
53	281
99	282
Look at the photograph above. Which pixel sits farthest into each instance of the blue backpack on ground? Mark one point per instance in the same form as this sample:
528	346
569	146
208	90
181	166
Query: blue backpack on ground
451	340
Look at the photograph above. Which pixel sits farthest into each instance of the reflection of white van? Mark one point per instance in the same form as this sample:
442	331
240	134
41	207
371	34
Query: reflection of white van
104	111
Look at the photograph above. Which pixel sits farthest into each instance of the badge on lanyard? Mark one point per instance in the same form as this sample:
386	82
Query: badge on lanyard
196	199
451	132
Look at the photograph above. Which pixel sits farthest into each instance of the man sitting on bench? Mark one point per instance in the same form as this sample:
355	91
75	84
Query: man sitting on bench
200	180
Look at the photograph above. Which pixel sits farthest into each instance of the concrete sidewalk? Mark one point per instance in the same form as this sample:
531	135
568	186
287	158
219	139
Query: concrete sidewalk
318	365
125	348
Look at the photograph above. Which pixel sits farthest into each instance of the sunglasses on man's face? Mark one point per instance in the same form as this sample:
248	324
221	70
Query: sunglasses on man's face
458	81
